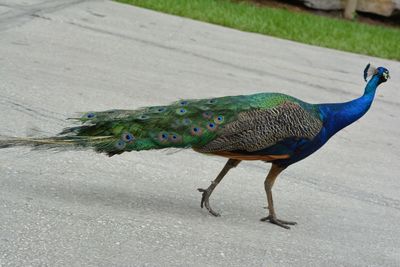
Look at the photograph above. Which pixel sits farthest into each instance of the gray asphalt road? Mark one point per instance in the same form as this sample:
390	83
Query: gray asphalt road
142	209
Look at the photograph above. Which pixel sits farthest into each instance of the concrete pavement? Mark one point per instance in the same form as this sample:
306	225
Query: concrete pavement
79	208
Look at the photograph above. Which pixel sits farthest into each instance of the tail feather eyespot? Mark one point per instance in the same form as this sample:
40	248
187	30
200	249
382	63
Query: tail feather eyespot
127	137
163	137
143	117
219	119
176	124
196	131
183	103
175	138
120	144
89	115
211	126
157	109
204	108
186	121
207	114
181	111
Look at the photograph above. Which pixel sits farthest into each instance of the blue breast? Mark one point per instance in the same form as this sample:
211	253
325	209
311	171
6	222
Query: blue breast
335	117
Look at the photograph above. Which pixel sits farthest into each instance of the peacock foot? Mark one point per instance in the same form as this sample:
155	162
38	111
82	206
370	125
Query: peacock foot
205	201
281	223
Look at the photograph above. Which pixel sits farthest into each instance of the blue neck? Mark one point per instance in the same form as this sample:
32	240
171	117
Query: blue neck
338	116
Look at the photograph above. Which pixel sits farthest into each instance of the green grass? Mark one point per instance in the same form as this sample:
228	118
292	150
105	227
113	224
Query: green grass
302	27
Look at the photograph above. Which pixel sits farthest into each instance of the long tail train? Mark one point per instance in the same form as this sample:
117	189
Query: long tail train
58	142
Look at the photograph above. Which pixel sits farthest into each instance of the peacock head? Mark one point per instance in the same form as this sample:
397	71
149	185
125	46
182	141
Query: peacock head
381	72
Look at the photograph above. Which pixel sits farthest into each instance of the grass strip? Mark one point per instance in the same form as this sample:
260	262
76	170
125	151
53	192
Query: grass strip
301	27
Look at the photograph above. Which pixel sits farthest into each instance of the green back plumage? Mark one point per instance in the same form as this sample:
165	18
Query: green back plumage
185	123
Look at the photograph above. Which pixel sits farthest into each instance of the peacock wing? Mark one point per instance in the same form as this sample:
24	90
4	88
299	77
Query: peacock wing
257	129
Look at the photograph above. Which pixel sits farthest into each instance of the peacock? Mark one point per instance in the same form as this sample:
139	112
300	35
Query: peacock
271	127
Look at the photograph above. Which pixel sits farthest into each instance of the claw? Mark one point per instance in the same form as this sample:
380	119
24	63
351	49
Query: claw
281	223
205	201
203	196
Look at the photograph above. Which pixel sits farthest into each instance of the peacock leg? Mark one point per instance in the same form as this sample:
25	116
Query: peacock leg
269	182
232	163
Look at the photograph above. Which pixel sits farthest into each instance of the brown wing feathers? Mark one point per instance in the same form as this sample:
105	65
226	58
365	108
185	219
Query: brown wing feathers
260	128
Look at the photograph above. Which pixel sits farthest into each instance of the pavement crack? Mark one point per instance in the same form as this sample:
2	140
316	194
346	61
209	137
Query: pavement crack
33	112
40	16
20	15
